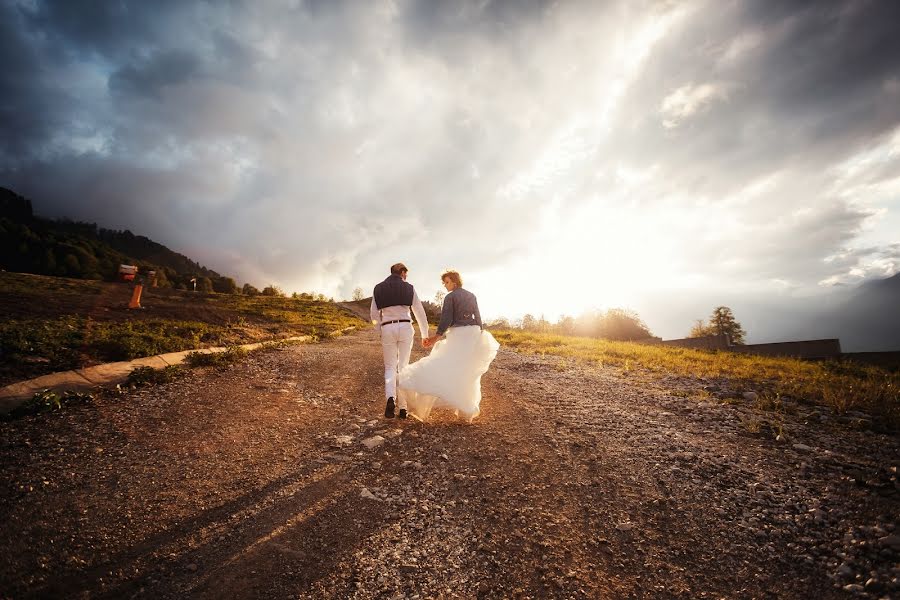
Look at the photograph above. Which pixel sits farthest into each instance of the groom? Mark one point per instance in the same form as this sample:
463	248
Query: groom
391	302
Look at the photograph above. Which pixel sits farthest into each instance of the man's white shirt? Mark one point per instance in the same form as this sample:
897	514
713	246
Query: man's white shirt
397	313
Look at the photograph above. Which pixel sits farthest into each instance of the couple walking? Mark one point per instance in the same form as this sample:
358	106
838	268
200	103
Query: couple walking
449	377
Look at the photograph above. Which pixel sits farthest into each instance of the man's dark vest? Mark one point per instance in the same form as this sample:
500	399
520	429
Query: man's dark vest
393	291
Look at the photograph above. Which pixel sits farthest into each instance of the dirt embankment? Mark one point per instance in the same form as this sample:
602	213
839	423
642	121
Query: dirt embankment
575	482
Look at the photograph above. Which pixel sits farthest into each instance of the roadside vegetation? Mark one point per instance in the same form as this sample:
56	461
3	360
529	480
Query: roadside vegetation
49	400
842	386
51	324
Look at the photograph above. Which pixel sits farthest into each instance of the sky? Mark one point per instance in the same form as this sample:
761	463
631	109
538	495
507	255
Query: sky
661	156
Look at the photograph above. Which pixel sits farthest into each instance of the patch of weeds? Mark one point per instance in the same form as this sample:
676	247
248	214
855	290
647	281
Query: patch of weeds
135	339
144	376
48	400
701	395
752	424
769	402
219	360
239	322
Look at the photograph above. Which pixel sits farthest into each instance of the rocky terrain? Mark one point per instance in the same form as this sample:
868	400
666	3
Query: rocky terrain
279	478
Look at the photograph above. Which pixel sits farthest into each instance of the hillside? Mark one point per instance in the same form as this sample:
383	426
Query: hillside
32	244
51	324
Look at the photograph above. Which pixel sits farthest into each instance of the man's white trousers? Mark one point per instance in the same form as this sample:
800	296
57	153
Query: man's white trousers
397	343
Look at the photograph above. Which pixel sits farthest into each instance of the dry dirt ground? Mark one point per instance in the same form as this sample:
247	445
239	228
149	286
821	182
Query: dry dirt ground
575	482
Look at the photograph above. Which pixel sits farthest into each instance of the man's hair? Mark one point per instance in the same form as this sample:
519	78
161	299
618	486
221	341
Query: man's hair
398	269
452	276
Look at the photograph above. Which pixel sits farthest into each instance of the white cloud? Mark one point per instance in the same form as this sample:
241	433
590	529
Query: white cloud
689	100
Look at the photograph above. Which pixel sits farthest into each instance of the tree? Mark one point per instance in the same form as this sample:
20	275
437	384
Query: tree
499	323
432	311
722	321
249	290
72	266
439	297
225	285
700	329
566	325
204	285
529	323
272	290
162	279
358	294
623	325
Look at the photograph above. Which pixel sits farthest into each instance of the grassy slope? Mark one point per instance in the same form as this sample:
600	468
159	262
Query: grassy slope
52	323
842	386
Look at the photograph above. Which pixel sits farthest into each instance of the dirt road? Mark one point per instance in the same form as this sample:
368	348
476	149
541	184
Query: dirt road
575	482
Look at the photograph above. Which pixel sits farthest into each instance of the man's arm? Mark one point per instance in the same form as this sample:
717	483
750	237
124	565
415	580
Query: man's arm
374	313
421	317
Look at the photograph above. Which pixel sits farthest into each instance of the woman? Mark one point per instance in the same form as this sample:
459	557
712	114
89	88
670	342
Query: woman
450	376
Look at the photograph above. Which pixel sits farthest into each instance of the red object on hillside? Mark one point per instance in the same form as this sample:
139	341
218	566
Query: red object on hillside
127	272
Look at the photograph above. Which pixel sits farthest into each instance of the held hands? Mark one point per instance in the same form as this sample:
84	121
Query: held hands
430	341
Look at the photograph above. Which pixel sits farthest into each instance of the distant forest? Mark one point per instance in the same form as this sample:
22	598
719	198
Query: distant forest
65	248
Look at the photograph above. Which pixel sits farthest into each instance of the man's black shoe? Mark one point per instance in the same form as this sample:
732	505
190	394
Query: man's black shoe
402	414
389	409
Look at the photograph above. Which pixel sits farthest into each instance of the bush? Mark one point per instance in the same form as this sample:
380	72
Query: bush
135	339
142	376
273	290
47	400
231	355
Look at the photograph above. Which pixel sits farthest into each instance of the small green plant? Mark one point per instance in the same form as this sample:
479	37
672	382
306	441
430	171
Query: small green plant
45	400
48	400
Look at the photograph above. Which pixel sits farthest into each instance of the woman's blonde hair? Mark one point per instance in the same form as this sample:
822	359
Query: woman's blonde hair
452	276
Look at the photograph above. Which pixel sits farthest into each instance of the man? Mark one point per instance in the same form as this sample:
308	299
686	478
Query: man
391	302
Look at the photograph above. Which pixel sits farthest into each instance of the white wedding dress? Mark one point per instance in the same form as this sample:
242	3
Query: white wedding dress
450	377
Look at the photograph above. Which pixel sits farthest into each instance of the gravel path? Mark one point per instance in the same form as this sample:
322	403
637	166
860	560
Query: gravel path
575	482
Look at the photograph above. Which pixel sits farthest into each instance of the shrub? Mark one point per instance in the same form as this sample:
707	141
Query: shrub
48	400
142	376
219	360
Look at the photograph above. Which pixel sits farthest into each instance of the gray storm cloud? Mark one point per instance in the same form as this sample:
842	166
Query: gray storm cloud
311	144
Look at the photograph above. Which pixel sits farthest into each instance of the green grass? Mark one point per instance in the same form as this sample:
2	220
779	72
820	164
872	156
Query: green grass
53	324
70	342
26	284
841	386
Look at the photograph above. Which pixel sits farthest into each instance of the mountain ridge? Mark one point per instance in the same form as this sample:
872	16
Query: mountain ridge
62	247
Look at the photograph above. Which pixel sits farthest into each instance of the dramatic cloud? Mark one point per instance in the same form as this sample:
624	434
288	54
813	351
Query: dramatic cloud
562	155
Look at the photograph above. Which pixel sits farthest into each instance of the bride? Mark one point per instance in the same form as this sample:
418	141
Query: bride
450	377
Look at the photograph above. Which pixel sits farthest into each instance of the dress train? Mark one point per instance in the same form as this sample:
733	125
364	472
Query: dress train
450	377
